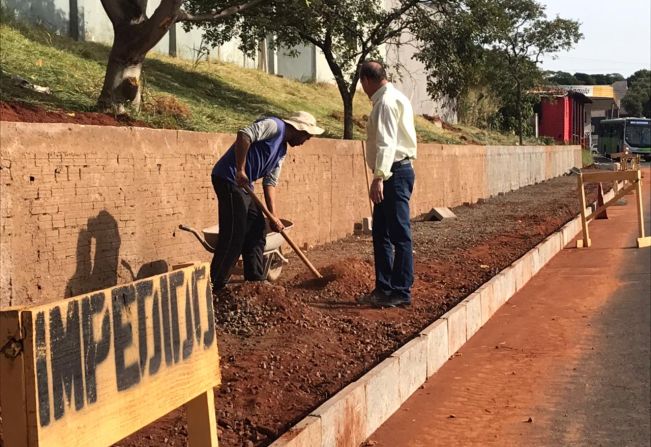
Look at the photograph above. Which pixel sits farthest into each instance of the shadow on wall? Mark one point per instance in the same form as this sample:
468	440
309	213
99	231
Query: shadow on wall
146	270
98	250
49	13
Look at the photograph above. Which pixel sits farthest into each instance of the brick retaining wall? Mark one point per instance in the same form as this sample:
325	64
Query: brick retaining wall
86	207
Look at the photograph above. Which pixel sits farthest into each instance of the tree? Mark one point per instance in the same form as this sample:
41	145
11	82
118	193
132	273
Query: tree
522	34
513	34
561	78
564	78
584	78
346	31
637	101
135	34
607	79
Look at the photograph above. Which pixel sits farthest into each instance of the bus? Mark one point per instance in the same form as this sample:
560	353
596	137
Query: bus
626	135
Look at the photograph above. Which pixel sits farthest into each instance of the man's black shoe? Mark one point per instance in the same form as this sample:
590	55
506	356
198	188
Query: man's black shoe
372	297
392	301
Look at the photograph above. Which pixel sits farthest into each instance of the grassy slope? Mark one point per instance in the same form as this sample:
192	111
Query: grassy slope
220	97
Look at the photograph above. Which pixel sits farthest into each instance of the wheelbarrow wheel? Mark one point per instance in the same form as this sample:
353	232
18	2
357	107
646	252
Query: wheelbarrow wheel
276	267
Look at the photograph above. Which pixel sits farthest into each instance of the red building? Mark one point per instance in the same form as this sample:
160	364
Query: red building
565	118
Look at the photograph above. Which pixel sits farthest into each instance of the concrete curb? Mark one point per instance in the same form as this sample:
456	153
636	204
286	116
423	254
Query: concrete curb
355	412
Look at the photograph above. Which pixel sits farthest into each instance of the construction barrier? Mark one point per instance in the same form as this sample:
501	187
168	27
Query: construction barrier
632	180
92	369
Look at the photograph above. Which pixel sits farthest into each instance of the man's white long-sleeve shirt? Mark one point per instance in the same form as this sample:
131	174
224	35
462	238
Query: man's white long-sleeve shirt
391	135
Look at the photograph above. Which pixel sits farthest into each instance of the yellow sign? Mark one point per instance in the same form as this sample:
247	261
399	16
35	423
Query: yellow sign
603	91
96	368
591	91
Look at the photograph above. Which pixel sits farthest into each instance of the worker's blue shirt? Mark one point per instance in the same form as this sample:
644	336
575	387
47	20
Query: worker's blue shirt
264	156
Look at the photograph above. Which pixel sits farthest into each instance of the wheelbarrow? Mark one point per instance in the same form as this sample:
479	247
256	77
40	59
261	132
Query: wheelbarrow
272	254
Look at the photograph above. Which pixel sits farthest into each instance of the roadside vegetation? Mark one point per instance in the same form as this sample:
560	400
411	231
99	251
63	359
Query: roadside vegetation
207	96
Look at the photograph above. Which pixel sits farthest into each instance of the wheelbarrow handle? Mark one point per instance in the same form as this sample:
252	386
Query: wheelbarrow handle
199	236
291	243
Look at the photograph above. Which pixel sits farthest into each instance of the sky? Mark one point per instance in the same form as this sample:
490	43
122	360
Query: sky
617	36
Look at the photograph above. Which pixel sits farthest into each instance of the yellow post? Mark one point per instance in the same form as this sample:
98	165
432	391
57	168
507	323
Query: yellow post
642	241
202	422
584	221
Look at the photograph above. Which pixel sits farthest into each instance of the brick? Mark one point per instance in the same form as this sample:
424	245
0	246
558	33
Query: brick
556	243
382	393
527	268
536	260
412	358
499	290
568	232
488	303
518	273
307	433
440	213
545	251
508	282
456	319
473	314
437	345
343	417
524	271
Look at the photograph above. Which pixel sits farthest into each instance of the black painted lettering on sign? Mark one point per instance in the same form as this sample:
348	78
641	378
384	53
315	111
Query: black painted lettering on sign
143	290
68	349
167	323
196	276
41	372
95	351
189	337
65	358
209	335
176	280
127	375
155	359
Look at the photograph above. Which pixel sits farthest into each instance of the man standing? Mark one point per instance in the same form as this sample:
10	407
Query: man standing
258	152
391	147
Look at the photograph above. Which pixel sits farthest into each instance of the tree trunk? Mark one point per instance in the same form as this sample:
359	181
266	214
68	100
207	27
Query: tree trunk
122	86
518	111
346	90
348	115
134	35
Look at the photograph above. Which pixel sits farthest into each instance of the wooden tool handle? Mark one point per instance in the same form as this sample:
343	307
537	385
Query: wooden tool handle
291	243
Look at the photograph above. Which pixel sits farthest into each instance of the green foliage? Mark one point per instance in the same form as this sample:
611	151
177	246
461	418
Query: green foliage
494	44
564	78
584	78
637	101
607	79
346	31
211	97
560	78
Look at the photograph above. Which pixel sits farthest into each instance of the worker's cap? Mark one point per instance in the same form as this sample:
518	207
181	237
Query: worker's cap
304	121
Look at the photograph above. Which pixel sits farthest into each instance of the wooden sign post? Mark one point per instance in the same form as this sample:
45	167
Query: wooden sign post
93	369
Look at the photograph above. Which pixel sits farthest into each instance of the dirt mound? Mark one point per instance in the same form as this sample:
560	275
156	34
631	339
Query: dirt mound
19	112
344	280
253	308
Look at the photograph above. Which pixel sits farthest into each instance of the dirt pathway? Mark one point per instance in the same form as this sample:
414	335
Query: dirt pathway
565	362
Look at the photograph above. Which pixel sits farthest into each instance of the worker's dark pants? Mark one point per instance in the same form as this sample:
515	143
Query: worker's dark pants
241	231
392	247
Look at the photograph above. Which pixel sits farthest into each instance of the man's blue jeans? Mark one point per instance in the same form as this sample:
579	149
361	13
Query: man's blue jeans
392	246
